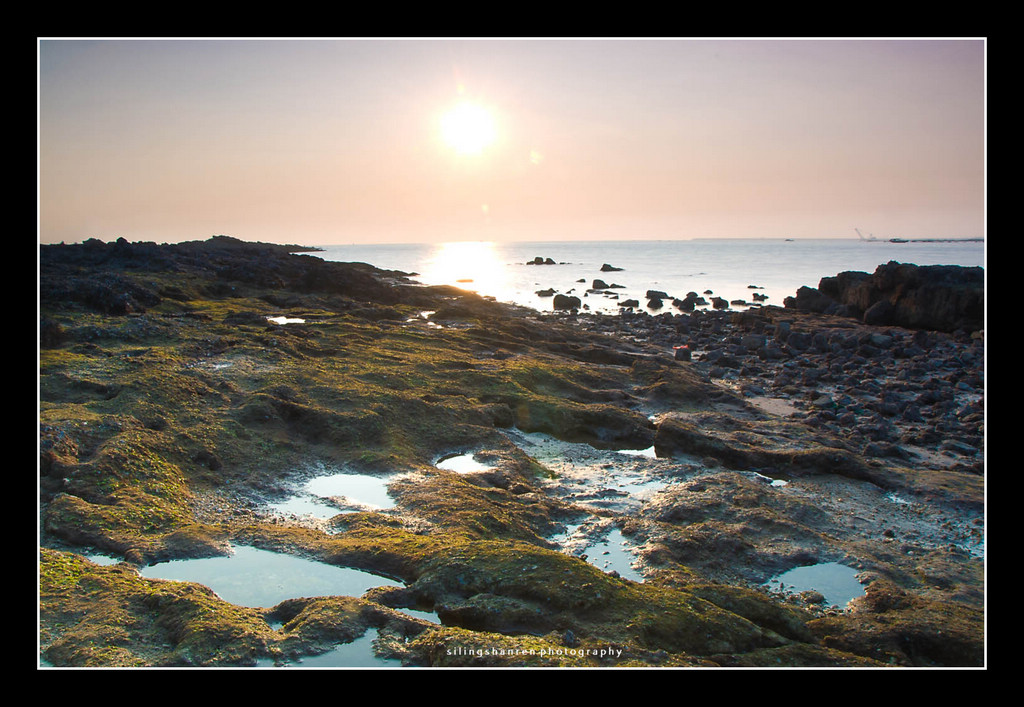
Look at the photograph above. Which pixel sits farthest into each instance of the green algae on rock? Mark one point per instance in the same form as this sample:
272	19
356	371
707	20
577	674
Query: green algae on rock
172	410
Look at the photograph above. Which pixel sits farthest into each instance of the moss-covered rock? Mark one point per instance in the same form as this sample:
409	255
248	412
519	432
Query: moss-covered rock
172	407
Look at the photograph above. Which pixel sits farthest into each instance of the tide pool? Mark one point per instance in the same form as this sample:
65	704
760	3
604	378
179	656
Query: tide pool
260	578
355	654
328	495
837	583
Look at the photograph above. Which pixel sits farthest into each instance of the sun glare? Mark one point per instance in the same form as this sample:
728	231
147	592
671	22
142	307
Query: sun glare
468	128
471	265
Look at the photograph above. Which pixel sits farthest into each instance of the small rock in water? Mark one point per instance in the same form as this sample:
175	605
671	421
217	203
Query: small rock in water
566	302
812	596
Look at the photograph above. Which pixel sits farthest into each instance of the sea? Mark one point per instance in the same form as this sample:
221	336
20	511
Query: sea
733	269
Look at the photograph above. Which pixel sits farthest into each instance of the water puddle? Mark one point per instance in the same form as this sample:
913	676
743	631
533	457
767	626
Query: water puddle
837	583
642	487
462	464
356	654
430	616
104	560
612	554
649	452
619	481
608	551
260	578
326	496
424	318
285	320
778	483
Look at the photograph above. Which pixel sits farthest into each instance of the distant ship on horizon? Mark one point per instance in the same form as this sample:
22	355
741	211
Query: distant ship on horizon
871	238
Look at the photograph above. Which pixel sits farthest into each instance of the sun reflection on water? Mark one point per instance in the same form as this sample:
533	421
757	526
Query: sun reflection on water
470	265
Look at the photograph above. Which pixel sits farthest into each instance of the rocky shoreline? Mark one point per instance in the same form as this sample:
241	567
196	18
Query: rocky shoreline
835	429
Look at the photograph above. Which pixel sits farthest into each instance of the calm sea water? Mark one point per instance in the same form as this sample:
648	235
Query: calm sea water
726	267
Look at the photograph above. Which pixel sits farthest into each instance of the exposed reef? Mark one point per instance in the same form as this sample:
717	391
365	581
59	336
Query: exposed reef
174	409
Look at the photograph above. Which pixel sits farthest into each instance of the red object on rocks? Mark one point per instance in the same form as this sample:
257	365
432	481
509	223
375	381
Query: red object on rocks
682	352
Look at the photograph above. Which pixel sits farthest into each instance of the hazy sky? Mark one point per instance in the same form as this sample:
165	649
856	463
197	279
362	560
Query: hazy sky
340	141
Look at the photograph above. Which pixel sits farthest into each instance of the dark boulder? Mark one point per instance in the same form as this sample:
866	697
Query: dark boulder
935	297
688	303
566	302
808	299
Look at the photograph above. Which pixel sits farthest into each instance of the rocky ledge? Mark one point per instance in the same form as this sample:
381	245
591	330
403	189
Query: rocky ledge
183	388
935	297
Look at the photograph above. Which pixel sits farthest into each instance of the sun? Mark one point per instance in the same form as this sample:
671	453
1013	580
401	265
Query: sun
468	128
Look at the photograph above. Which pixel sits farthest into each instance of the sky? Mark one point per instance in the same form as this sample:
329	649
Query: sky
336	141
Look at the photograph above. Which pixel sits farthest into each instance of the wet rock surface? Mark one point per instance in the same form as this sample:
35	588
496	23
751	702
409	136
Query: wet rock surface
173	412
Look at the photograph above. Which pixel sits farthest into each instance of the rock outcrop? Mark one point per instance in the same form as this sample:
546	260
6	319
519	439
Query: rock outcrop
566	302
944	298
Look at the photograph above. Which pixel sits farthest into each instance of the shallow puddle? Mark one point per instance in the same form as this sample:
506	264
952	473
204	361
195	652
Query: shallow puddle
778	483
259	578
356	654
326	496
462	464
424	318
611	480
636	487
837	583
606	551
649	452
430	616
612	553
285	320
105	560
